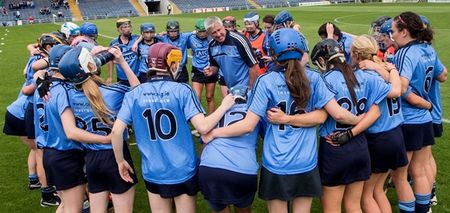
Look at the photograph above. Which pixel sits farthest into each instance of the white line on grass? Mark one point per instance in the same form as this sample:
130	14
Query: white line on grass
447	121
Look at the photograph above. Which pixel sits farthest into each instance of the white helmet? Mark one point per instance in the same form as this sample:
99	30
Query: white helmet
70	29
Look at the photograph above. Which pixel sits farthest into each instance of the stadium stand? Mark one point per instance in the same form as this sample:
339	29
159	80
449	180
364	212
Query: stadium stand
283	3
41	11
97	9
187	6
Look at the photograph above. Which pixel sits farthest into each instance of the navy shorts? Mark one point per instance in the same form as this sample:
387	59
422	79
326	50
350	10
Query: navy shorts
387	150
184	76
346	164
29	121
288	187
438	129
417	135
14	125
221	81
64	169
189	187
222	187
123	82
103	173
199	77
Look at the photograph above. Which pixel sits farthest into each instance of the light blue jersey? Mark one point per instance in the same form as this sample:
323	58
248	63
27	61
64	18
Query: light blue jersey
159	111
131	57
85	117
54	108
418	63
391	113
372	90
236	154
435	95
288	149
346	43
199	49
19	106
180	42
143	57
233	57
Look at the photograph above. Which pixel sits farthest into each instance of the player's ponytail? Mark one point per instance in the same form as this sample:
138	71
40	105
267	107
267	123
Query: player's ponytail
296	81
349	76
95	98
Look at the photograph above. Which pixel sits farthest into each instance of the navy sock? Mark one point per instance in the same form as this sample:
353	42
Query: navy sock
33	178
406	206
422	203
47	193
433	190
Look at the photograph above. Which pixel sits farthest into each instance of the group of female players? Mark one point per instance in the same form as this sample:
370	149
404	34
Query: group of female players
373	117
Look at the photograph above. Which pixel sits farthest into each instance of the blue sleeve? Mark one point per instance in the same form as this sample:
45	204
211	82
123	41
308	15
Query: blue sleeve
192	105
125	111
260	98
406	66
322	95
62	101
438	68
378	89
212	61
408	91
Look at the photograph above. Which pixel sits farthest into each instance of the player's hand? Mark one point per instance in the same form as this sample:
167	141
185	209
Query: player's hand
369	65
266	59
276	116
109	80
134	48
43	85
228	101
207	71
118	56
124	171
330	30
340	137
206	138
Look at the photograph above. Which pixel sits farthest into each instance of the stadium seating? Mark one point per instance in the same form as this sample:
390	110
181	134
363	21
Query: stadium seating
38	18
95	9
188	5
282	3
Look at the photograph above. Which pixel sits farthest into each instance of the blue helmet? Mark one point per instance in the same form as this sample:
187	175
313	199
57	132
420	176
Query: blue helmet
283	17
287	44
425	20
70	29
386	27
89	29
147	27
56	53
77	65
240	92
252	17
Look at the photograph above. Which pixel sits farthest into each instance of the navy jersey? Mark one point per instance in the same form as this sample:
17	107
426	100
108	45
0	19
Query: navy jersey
435	95
372	90
288	149
143	57
234	57
85	117
180	42
199	49
130	57
391	113
236	154
418	63
346	43
159	111
56	137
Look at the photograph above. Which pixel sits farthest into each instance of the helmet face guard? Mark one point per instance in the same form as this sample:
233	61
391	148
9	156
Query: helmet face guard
240	93
327	49
164	57
77	65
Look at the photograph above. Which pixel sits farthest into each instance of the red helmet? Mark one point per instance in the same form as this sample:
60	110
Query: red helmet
161	56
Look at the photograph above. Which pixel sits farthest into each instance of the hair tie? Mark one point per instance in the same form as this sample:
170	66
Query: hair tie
424	26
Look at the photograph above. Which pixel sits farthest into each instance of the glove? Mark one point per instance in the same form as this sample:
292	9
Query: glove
341	137
43	85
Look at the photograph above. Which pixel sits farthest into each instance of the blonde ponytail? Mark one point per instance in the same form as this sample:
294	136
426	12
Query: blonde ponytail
95	98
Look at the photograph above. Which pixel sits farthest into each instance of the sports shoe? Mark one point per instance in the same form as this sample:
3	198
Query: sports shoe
55	201
86	207
433	201
429	210
34	184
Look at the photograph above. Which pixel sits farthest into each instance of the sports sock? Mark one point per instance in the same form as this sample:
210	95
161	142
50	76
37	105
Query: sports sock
406	206
422	203
47	193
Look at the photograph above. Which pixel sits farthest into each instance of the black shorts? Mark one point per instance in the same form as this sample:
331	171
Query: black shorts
417	135
346	164
29	121
438	129
14	125
387	150
221	80
288	187
123	82
184	76
103	173
222	187
199	77
189	187
64	169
